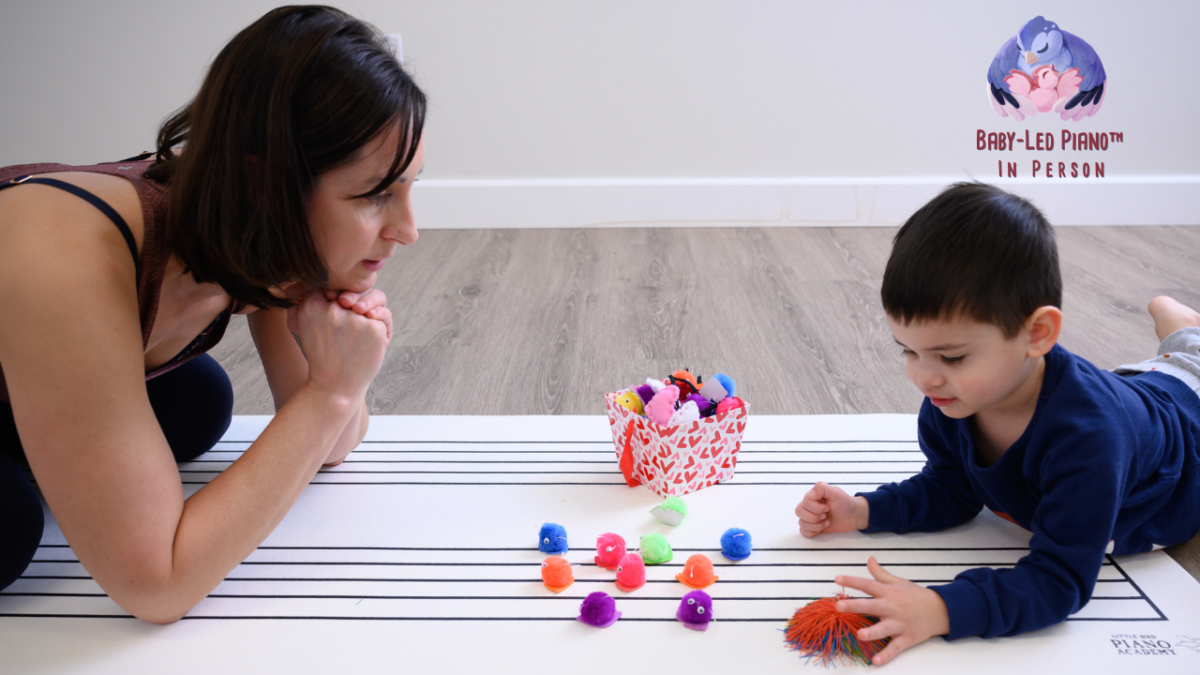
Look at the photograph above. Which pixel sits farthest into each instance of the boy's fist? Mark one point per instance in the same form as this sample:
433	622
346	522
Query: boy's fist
826	508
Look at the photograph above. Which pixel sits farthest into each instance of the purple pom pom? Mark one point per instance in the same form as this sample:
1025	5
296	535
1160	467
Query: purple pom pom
695	610
645	392
707	407
599	610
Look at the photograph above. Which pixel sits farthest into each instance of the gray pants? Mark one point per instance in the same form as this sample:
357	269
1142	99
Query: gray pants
1178	355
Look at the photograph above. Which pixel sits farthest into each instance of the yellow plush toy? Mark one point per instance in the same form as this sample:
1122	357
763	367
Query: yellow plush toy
629	399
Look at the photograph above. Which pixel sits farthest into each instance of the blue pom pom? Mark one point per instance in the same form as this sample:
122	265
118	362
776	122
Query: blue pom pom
735	544
552	538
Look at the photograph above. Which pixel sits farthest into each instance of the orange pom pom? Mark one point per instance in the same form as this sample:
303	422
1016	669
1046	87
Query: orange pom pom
819	631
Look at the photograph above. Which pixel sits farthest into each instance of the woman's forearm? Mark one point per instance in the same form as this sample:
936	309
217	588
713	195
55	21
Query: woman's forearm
351	436
228	518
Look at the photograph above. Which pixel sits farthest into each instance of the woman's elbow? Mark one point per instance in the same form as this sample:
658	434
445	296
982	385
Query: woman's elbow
159	605
161	619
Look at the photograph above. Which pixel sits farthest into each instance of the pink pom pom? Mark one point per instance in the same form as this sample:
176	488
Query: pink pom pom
731	403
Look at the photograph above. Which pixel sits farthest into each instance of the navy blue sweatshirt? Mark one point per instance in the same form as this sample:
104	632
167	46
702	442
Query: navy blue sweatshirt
1104	458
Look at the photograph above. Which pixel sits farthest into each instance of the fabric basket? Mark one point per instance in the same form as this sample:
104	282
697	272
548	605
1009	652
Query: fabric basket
673	461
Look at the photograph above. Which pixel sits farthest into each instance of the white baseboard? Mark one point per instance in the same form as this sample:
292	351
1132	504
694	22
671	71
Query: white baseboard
781	202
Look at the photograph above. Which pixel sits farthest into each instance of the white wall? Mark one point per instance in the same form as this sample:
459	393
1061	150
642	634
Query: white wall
578	113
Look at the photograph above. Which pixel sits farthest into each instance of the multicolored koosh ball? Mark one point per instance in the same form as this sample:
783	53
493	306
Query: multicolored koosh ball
671	512
631	573
556	574
695	610
736	544
655	549
552	538
599	610
819	632
610	548
697	572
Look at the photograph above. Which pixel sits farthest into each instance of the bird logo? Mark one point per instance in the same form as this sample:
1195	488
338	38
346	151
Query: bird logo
1045	69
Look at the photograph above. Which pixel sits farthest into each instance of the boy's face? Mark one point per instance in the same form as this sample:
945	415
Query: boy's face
964	366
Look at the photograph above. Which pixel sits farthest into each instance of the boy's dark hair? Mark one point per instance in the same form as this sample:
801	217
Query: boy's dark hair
294	95
974	251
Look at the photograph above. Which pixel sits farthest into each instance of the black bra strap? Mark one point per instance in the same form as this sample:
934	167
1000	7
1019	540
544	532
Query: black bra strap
91	199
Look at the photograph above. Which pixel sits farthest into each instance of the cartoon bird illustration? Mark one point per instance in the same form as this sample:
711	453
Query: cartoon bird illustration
1043	69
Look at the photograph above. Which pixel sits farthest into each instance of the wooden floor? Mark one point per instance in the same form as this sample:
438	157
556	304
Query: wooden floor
545	322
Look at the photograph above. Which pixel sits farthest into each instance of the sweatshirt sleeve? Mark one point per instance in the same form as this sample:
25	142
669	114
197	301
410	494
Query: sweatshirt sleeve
1082	479
937	498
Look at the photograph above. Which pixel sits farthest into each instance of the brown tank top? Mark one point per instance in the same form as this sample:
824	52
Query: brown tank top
155	198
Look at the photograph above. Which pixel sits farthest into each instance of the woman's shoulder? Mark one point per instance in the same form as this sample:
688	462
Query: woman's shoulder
57	250
39	205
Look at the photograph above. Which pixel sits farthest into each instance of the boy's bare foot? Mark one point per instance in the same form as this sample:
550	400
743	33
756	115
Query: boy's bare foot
1170	315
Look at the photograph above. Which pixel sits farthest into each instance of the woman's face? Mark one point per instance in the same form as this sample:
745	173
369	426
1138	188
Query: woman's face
356	235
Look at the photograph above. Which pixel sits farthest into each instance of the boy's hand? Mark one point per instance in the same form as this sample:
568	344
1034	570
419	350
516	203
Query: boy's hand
908	613
826	508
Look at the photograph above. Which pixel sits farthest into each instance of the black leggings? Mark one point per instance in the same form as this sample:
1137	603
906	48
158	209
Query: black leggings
194	405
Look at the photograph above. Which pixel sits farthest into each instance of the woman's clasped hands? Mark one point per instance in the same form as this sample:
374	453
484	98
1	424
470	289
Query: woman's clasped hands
343	335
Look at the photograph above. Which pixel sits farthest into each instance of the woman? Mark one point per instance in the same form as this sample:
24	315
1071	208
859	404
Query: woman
290	191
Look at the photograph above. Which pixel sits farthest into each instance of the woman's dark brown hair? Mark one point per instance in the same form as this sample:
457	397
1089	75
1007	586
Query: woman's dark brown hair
292	96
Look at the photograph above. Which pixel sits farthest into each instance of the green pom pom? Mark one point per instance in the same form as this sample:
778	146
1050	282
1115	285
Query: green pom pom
655	549
671	511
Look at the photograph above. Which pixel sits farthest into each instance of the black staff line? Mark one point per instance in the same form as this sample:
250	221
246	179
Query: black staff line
372	563
481	581
339	471
511	483
236	596
533	549
604	442
438	618
607	460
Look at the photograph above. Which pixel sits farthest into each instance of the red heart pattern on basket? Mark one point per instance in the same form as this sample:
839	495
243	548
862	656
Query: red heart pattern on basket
677	460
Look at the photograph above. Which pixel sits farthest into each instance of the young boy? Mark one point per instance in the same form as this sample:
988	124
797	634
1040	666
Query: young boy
1089	460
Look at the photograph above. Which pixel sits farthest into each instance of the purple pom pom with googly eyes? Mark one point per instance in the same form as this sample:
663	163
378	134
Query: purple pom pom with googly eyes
599	610
695	610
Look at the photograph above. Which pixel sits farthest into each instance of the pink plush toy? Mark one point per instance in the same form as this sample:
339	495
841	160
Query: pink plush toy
662	406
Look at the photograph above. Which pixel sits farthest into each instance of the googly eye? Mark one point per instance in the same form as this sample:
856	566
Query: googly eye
620	569
691	601
609	549
699	610
546	540
545	565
